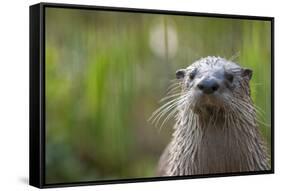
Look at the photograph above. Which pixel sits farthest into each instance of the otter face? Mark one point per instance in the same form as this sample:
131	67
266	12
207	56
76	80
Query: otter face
210	83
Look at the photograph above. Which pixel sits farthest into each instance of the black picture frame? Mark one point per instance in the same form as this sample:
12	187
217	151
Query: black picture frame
37	94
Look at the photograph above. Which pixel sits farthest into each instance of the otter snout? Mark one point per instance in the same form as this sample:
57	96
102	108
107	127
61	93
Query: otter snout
208	86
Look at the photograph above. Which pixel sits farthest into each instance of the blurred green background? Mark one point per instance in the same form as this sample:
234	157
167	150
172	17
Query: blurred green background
107	71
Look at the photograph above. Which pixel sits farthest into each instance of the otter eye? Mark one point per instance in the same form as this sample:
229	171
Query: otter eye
192	75
229	76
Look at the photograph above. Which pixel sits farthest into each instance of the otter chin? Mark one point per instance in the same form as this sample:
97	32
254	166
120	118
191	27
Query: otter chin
216	128
207	103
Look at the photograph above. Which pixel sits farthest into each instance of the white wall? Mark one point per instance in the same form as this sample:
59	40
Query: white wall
14	39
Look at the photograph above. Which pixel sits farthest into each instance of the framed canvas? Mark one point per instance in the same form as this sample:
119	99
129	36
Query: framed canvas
122	95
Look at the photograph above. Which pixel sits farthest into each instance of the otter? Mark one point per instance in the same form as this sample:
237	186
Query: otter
216	128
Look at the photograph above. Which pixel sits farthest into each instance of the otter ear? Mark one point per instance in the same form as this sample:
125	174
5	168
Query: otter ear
247	73
180	74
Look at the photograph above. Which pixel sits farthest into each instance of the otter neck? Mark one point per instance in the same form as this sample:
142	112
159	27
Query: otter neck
218	144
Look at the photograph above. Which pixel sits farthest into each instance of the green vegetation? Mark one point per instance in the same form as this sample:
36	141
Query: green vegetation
106	72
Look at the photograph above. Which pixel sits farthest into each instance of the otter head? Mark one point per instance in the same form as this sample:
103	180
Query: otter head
214	83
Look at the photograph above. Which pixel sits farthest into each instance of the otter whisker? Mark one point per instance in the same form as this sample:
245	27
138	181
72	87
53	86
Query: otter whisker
176	84
257	109
171	114
174	80
174	90
170	96
170	108
246	106
163	113
165	105
174	87
157	115
247	115
263	123
234	56
174	110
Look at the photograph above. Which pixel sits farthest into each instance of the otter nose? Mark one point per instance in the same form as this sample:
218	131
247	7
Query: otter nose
208	86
